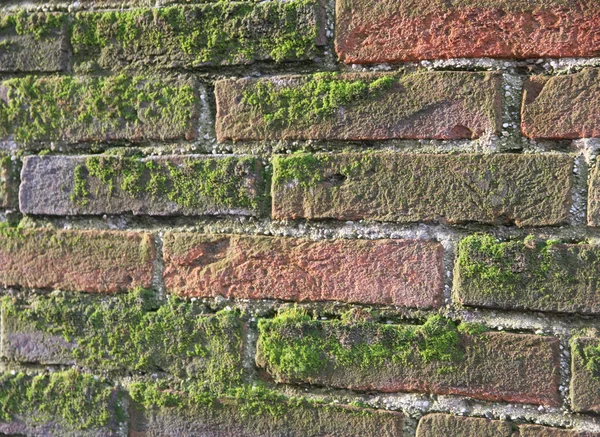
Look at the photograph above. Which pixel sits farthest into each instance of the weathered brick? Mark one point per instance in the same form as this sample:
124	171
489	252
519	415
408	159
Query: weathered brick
530	274
437	357
168	185
392	31
220	33
252	417
73	109
93	261
446	425
355	106
562	107
528	190
9	184
398	272
127	333
593	209
67	403
585	375
33	42
546	431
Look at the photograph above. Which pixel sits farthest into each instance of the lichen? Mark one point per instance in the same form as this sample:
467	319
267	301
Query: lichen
76	400
296	346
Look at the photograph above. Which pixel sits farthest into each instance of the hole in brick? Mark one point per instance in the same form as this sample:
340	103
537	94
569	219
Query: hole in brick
335	179
460	131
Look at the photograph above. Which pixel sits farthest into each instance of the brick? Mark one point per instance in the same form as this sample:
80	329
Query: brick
585	371
527	190
212	34
562	107
124	334
546	431
92	261
65	403
438	425
530	274
9	184
360	106
74	109
163	186
593	207
258	418
437	357
32	42
397	272
392	31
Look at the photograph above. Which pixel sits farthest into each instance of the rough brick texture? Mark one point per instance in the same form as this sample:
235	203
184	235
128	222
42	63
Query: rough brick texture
525	189
33	42
399	31
398	272
562	107
545	431
174	185
226	418
492	366
87	110
8	182
593	212
194	36
438	425
585	380
443	105
531	274
93	261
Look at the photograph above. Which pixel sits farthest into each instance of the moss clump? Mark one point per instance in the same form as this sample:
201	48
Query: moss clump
219	33
133	332
75	400
302	168
317	99
591	358
69	108
194	183
295	346
38	25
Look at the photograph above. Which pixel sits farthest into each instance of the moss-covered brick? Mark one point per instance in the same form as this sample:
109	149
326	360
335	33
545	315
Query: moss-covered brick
562	107
401	31
31	42
221	33
528	190
398	272
436	357
92	261
528	274
126	333
585	371
355	106
446	425
251	412
9	183
593	207
73	109
166	185
67	403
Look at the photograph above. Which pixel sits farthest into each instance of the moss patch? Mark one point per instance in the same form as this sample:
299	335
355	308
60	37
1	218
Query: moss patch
38	25
75	400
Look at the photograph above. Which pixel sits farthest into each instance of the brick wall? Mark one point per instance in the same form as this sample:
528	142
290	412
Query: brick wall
300	218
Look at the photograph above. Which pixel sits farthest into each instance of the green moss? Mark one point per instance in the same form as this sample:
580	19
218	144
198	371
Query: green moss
133	332
302	168
54	108
591	358
295	346
76	400
317	99
38	25
218	33
192	184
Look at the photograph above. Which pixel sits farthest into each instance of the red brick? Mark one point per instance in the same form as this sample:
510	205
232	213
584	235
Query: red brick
562	107
399	31
93	261
585	380
369	356
397	272
439	105
446	425
528	190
